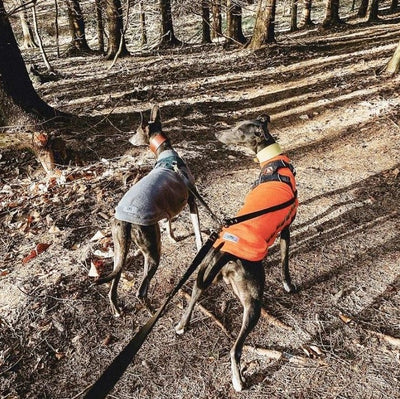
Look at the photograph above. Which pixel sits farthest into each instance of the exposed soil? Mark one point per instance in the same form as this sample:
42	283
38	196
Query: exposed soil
339	122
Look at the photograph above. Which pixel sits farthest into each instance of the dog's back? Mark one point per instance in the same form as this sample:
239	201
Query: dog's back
160	194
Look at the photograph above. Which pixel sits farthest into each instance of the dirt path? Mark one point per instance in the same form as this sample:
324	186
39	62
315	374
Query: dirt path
340	125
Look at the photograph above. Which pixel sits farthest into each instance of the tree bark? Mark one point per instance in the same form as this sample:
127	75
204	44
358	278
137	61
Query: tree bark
99	25
115	29
372	12
234	21
293	16
306	19
264	28
362	10
167	27
332	14
394	5
76	28
143	30
27	34
216	30
206	30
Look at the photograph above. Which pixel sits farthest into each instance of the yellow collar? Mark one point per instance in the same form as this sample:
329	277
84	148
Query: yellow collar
269	152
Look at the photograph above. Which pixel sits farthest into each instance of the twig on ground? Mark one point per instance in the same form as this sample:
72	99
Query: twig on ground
208	314
275	321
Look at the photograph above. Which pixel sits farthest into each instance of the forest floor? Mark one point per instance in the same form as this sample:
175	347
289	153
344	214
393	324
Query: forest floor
339	336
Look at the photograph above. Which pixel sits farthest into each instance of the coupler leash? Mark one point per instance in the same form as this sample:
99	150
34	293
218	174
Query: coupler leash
192	188
117	367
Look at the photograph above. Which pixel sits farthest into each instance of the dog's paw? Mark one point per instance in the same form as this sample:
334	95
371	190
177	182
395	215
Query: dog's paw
179	329
289	287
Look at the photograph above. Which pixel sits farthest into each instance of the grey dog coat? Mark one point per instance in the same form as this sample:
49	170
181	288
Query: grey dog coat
161	194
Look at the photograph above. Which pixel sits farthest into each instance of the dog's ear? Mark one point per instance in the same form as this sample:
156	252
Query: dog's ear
155	114
264	118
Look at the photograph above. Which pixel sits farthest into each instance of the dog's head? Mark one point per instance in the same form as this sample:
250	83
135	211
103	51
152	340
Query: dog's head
147	129
249	134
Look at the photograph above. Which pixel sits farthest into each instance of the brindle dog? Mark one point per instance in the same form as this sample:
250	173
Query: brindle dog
245	273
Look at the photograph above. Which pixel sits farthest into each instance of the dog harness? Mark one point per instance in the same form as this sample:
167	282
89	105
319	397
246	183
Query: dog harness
276	184
158	195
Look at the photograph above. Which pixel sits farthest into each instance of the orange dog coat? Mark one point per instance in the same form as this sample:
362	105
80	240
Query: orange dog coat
251	239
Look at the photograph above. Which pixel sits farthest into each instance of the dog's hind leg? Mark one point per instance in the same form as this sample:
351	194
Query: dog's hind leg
148	239
284	243
122	238
248	284
217	259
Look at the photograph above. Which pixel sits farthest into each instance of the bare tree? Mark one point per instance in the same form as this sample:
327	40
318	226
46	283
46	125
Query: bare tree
234	21
216	30
21	109
27	34
143	29
293	16
76	28
372	11
332	14
362	10
206	31
306	18
264	28
167	27
116	41
99	25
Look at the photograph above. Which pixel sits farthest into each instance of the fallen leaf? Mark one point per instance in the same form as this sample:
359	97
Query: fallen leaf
96	267
98	236
41	247
344	318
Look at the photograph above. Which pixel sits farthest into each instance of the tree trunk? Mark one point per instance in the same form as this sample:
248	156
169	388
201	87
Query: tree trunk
143	36
39	40
306	19
393	66
394	5
264	28
167	27
216	30
332	14
234	21
362	11
206	31
115	29
27	35
76	28
293	16
57	28
99	25
372	12
21	109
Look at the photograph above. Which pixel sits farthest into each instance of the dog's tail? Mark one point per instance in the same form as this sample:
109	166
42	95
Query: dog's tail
202	282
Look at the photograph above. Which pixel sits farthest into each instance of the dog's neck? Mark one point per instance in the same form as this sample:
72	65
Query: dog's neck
159	143
268	152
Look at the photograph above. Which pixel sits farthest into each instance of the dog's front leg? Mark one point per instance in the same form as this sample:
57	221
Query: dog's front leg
194	217
284	246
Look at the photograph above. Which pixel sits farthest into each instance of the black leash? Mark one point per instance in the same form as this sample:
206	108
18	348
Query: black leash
117	367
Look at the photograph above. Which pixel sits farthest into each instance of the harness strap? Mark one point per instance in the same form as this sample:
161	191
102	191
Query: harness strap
269	172
252	215
170	163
